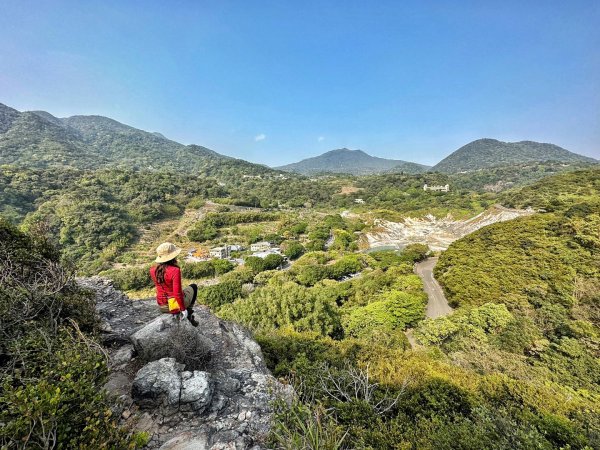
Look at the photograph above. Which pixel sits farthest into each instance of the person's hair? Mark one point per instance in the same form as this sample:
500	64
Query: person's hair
161	268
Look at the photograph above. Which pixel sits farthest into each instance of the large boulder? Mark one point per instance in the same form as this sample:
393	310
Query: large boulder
163	383
168	337
158	384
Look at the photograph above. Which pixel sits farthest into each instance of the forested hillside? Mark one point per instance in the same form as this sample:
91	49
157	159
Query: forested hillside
486	153
354	162
37	139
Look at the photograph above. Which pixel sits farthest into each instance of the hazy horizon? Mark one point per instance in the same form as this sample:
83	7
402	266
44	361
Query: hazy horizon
274	84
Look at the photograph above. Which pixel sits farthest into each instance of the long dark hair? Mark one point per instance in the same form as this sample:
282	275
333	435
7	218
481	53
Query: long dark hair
161	268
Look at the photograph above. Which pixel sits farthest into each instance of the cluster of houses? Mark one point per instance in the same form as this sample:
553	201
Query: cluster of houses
259	249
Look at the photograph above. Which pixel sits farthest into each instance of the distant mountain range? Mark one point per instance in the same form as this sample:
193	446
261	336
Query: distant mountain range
479	154
37	139
354	162
486	153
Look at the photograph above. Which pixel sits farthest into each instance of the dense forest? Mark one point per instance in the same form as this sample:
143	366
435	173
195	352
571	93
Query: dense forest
515	366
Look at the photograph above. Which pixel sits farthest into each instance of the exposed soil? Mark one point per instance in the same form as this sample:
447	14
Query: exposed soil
437	233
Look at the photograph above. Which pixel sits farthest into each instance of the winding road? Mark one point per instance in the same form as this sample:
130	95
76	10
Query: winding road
437	305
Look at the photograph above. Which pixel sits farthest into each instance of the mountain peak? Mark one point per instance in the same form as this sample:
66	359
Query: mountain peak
485	153
356	162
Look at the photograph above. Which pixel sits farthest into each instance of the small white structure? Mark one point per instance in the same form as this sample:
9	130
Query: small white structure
260	246
236	248
263	254
444	188
359	201
220	252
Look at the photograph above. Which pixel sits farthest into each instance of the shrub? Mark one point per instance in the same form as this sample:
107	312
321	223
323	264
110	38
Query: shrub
292	249
202	232
285	305
51	373
270	262
130	278
219	294
395	311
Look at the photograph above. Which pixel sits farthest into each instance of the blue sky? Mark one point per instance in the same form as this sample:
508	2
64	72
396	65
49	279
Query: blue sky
274	82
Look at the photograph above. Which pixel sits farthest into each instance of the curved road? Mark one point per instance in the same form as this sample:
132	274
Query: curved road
437	305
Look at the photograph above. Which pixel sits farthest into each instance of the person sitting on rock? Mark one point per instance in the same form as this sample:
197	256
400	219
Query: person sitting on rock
167	279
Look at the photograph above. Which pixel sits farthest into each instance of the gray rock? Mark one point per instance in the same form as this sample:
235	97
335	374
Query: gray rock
197	390
187	441
168	337
201	388
123	355
158	383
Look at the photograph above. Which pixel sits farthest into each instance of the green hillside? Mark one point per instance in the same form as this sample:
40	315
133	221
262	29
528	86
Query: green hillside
486	153
39	140
355	162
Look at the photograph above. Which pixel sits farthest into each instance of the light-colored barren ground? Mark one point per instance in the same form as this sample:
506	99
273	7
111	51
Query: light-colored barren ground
437	233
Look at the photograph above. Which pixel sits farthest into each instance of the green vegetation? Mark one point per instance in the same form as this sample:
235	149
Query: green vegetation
354	162
390	299
485	153
515	366
52	370
577	190
208	228
270	262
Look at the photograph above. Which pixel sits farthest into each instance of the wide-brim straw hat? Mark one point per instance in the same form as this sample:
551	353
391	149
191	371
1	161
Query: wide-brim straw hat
166	252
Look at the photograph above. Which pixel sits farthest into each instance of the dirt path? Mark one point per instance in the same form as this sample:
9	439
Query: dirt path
437	305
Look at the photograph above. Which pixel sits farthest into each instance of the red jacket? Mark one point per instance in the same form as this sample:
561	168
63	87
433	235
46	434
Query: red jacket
171	287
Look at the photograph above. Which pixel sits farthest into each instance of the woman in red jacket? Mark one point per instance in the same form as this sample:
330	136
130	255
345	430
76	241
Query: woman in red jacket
167	279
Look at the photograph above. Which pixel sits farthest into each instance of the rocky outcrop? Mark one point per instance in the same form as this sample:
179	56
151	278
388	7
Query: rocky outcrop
189	388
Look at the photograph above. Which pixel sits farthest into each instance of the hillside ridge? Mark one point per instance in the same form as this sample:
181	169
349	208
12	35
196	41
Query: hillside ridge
356	162
486	152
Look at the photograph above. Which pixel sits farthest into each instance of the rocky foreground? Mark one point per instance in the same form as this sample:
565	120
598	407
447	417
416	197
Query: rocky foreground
188	388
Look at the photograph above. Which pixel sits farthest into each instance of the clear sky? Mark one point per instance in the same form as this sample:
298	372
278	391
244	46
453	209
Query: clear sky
277	81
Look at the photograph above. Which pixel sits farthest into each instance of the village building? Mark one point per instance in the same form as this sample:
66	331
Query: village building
360	201
220	252
444	188
260	246
263	254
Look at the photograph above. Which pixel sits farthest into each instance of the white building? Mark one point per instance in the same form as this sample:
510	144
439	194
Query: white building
260	246
236	248
444	188
359	201
220	252
263	254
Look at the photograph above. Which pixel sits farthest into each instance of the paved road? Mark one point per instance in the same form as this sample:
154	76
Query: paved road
437	305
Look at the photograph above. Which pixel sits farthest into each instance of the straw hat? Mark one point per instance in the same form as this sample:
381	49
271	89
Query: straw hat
166	252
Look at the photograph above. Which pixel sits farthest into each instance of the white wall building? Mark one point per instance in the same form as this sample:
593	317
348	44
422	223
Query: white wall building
444	188
220	252
260	246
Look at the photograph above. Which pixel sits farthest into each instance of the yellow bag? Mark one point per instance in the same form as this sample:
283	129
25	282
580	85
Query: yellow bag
173	305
